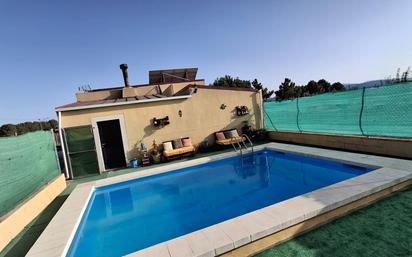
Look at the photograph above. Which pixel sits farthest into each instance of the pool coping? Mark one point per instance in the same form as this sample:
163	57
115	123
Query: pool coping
230	234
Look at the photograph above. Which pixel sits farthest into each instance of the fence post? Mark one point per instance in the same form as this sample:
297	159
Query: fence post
361	111
55	149
297	114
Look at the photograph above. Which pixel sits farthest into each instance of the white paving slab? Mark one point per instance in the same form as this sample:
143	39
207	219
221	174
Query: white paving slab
258	223
235	231
159	250
220	241
225	236
200	244
179	247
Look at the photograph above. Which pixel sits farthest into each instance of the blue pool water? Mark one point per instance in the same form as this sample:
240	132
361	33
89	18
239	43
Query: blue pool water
129	216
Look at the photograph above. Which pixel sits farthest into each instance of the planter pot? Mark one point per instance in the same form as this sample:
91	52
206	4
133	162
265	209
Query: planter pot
134	163
156	158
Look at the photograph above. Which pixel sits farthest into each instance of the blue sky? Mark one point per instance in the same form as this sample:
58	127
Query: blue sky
50	48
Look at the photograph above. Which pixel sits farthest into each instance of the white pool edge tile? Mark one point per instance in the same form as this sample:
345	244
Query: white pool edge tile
239	230
64	223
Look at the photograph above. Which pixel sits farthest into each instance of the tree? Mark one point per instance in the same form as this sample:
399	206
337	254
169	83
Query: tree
266	93
323	86
8	130
228	81
288	90
312	87
337	86
21	128
53	124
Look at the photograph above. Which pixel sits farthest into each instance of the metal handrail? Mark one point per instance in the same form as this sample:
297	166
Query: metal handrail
243	142
250	142
233	142
241	152
233	145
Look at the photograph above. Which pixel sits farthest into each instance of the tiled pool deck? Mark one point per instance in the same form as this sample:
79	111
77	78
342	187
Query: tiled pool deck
225	236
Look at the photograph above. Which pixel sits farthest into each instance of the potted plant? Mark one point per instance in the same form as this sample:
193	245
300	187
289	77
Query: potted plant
155	153
260	134
247	129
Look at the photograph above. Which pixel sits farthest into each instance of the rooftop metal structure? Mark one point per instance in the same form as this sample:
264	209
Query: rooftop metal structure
172	75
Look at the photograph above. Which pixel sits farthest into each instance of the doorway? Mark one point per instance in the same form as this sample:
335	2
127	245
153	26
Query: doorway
111	143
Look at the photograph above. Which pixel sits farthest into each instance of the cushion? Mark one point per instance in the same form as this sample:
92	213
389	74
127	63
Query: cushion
187	142
183	150
167	146
231	133
220	136
177	143
227	134
226	141
234	133
229	141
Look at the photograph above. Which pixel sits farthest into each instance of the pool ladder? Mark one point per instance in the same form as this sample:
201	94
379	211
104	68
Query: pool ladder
240	146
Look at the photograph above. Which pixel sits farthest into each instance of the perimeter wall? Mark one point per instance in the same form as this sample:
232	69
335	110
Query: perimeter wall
30	180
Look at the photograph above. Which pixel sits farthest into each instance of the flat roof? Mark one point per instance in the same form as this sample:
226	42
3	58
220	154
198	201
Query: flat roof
182	94
118	102
135	86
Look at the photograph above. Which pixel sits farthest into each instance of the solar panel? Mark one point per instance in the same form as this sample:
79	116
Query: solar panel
172	75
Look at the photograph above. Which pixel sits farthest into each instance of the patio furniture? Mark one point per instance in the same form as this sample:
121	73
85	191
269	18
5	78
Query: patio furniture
228	137
178	148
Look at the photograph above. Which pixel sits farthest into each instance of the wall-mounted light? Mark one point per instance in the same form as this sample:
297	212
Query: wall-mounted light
180	113
223	106
160	123
193	90
242	110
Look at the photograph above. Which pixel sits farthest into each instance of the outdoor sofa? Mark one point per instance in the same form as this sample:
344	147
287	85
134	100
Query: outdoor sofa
178	148
228	137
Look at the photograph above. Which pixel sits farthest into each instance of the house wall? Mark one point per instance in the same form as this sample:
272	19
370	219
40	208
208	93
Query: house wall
201	117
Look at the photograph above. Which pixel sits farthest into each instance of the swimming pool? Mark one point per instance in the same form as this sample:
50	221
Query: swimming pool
129	216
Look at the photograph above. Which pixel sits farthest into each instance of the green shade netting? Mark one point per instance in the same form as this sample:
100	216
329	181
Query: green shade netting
388	111
378	111
281	115
27	162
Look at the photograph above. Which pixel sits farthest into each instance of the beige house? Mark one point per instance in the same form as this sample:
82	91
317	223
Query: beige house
104	128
